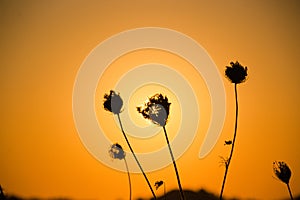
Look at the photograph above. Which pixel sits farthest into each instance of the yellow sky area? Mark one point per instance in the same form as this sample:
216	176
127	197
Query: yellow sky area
130	62
43	44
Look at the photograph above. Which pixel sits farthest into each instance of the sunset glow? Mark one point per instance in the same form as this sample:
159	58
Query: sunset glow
44	44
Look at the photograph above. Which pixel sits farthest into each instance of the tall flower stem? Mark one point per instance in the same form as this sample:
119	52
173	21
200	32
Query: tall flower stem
233	142
165	190
174	164
288	186
129	180
140	166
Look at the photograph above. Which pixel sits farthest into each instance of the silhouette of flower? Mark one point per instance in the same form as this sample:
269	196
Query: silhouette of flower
156	109
116	151
236	73
158	184
282	171
113	102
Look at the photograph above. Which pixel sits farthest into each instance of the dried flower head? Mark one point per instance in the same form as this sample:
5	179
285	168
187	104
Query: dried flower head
116	151
158	184
113	102
156	109
236	73
282	171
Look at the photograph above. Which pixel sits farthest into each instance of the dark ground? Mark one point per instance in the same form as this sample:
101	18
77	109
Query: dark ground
198	195
172	195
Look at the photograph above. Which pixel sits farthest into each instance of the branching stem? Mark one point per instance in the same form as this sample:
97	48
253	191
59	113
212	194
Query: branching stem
233	142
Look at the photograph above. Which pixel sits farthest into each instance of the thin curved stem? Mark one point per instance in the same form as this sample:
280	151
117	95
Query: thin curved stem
233	142
288	186
165	190
224	179
174	164
140	166
129	180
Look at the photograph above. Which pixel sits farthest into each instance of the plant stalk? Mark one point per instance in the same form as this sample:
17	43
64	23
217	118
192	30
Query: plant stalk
288	186
140	166
165	191
233	142
174	164
129	180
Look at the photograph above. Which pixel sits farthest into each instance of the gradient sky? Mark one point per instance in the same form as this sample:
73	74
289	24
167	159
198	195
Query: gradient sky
43	44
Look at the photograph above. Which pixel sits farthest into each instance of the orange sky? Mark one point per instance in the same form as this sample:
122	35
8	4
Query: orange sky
43	44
